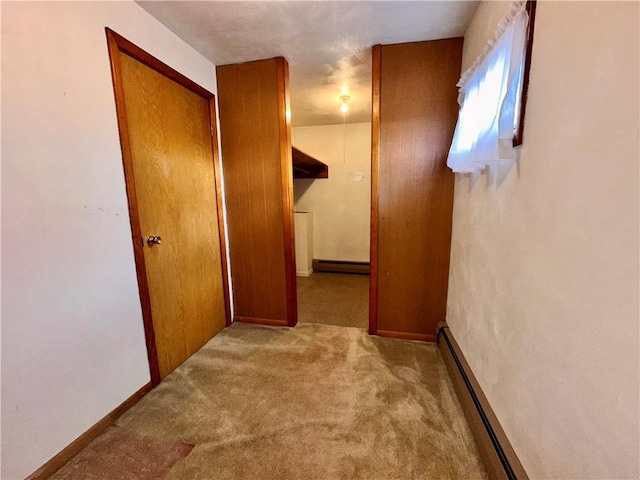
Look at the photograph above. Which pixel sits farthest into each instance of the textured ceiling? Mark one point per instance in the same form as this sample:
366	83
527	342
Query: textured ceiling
327	43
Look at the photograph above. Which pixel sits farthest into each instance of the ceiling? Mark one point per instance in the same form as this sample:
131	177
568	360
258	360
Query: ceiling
327	43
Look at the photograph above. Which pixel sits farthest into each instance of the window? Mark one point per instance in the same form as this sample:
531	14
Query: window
493	95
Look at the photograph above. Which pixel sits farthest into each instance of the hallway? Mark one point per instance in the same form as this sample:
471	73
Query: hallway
315	401
334	299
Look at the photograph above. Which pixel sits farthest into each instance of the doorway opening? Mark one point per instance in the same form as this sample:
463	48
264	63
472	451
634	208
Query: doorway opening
333	205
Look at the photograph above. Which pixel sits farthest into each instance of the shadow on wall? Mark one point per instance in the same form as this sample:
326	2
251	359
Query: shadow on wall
301	186
495	174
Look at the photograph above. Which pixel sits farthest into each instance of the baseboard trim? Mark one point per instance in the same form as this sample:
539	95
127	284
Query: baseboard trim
495	449
261	321
61	458
305	274
421	337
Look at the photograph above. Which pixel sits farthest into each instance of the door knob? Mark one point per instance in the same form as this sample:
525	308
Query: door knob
155	240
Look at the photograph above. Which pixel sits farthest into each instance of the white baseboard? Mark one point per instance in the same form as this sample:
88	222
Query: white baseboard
304	274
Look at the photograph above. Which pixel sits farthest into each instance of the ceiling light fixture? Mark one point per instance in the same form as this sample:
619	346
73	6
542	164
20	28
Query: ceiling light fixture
345	106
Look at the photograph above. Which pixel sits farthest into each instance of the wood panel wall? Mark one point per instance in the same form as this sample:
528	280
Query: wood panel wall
255	135
414	115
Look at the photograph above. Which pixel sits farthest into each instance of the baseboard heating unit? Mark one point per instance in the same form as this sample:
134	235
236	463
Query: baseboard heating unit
495	449
339	266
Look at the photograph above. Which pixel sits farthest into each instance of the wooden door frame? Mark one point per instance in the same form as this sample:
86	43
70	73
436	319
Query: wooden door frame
116	44
375	206
286	169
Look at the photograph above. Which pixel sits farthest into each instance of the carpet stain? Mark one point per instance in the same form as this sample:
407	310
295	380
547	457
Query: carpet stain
311	402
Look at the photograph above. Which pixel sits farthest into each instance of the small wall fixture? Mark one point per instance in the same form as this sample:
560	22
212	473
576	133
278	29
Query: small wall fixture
344	108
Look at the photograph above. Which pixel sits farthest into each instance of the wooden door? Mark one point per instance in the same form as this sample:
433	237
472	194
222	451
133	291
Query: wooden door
169	150
414	116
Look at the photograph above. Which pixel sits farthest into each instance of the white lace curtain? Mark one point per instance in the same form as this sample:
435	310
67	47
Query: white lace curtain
489	98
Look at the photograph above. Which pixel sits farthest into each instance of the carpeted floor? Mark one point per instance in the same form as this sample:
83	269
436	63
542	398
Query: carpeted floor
334	299
313	402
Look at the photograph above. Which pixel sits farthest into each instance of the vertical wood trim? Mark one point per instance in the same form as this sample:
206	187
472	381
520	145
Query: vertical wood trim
221	216
282	72
114	44
375	163
61	458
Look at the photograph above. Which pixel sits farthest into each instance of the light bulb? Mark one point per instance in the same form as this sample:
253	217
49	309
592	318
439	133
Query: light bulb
344	108
345	89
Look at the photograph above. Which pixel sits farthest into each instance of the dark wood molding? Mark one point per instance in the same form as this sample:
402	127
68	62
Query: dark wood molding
116	44
496	451
375	164
282	73
531	11
306	166
421	337
67	453
262	321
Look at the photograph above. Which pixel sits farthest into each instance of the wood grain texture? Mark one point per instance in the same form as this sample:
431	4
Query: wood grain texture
115	42
375	207
417	115
165	123
67	453
122	44
256	148
286	171
458	366
170	134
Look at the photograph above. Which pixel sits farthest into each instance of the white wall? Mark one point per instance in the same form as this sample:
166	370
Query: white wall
341	208
72	336
543	293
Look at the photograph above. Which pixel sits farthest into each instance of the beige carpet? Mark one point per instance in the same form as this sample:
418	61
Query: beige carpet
313	402
334	299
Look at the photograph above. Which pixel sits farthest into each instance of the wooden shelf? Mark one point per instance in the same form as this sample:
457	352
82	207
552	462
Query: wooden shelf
305	166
